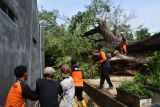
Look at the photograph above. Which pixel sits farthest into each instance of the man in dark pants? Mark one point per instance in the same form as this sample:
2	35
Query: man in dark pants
104	68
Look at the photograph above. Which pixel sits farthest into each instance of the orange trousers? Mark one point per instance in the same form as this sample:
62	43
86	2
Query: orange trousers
123	47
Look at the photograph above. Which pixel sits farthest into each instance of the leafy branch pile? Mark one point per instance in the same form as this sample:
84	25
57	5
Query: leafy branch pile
134	88
151	72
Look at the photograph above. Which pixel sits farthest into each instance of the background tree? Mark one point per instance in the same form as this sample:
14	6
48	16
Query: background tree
48	18
61	44
100	17
142	33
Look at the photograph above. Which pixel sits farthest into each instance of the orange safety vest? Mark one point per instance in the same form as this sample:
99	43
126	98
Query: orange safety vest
103	57
76	74
123	46
15	98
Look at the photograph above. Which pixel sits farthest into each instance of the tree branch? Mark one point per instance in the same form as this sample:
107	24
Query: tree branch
92	32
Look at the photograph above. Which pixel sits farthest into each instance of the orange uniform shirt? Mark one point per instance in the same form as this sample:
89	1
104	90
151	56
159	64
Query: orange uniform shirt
103	57
76	74
15	98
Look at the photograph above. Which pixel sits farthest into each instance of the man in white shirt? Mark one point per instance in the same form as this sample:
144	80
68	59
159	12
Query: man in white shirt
67	99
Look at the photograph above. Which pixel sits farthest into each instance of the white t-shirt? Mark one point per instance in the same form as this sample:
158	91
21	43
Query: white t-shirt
68	92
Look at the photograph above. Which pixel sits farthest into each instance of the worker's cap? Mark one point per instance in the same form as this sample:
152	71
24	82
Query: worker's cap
49	71
65	70
122	33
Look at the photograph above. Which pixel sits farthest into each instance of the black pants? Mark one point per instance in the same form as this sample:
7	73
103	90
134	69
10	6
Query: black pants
105	76
107	79
78	93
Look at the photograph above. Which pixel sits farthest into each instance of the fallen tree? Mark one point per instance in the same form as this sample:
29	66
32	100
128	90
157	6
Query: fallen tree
150	44
138	51
104	30
127	65
123	64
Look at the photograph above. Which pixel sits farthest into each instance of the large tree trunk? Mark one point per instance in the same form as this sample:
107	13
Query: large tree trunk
127	65
150	44
104	30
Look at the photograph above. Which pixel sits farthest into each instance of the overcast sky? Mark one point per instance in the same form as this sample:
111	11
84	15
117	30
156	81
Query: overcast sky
147	11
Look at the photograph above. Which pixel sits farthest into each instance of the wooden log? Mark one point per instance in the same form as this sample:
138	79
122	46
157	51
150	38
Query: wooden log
147	45
127	65
104	30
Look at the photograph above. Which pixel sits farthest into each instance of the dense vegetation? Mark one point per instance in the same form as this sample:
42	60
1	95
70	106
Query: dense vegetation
61	45
131	87
150	75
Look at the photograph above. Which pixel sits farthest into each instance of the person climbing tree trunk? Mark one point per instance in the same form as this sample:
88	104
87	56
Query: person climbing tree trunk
124	43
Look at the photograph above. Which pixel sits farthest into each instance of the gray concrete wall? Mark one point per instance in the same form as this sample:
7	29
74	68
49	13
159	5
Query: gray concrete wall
20	43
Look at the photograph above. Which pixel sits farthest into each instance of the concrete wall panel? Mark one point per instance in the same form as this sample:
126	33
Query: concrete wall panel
20	43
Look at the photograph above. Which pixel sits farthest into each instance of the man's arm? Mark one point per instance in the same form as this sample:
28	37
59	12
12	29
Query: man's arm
60	90
28	93
96	54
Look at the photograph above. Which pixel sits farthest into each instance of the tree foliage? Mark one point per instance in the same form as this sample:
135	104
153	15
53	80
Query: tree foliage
151	74
103	10
62	42
142	33
48	18
84	21
134	88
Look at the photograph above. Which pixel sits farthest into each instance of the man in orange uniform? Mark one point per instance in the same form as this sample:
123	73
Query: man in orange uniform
123	44
20	92
76	74
104	68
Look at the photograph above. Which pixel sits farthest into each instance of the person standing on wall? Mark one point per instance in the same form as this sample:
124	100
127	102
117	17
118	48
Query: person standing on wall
76	74
19	91
104	68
